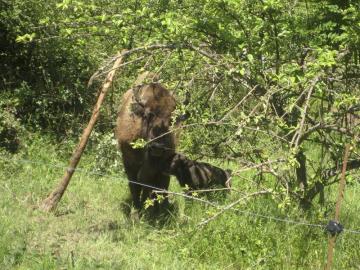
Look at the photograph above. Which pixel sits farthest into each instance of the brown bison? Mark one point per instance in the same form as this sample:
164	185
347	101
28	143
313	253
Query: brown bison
145	113
198	175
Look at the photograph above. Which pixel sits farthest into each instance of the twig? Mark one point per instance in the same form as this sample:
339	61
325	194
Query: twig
186	196
295	102
296	138
202	52
203	190
162	65
233	204
98	74
259	165
238	104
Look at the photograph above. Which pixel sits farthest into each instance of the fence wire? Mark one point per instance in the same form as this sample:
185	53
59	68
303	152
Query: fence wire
186	196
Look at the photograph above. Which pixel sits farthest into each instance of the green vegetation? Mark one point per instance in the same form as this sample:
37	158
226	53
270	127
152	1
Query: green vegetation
275	96
91	229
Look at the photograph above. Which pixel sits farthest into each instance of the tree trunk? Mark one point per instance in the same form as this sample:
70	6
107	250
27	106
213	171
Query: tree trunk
301	170
53	199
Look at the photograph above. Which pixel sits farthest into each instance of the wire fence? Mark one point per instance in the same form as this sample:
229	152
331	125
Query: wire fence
286	220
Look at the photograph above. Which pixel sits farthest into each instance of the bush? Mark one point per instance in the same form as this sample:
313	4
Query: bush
10	128
106	154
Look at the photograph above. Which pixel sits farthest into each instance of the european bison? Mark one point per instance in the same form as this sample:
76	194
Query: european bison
198	175
145	113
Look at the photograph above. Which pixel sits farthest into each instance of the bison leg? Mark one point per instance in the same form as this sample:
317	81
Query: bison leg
163	182
146	194
157	180
146	176
135	191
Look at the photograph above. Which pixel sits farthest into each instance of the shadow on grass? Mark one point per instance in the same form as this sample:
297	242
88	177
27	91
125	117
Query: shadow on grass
160	215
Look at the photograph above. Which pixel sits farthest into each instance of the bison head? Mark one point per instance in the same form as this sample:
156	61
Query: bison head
154	105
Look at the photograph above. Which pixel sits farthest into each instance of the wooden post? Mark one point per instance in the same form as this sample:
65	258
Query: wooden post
342	183
53	199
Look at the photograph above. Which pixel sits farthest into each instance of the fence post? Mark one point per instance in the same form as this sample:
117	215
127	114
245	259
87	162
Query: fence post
332	238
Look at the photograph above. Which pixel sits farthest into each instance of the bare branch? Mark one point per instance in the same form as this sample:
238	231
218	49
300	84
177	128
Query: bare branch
238	104
259	165
296	138
262	192
99	73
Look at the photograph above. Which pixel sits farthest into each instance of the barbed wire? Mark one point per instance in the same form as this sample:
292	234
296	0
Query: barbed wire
186	196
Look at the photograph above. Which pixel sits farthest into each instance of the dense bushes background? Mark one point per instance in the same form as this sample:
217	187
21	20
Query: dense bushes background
262	75
274	89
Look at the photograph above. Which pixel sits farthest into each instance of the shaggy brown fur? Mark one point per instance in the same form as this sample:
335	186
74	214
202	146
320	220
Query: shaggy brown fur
145	113
198	175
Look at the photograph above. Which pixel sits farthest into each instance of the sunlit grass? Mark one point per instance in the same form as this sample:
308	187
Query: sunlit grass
90	228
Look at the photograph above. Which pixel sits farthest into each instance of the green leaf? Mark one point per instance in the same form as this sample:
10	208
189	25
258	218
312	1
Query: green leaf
25	38
139	143
250	57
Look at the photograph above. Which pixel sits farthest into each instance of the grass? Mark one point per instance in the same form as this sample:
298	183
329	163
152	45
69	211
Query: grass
90	229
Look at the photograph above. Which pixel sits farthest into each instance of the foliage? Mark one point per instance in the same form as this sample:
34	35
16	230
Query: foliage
107	154
92	229
276	78
10	128
274	88
46	77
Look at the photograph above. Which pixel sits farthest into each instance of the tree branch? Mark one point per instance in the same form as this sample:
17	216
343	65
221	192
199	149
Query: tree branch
296	138
262	192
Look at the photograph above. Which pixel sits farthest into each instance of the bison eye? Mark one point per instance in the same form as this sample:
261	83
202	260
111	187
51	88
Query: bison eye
137	109
150	116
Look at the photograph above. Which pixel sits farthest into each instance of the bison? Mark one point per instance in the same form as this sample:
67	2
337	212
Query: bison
198	175
145	113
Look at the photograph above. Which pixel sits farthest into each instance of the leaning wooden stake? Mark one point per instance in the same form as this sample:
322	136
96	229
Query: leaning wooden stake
332	239
53	199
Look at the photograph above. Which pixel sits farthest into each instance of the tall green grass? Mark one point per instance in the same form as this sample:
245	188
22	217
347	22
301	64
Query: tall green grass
91	230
